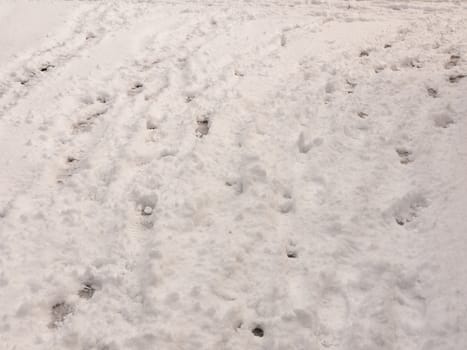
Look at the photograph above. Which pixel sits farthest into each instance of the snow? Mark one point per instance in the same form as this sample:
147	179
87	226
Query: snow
232	175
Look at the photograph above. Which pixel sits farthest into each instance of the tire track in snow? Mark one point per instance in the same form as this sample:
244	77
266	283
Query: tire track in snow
44	63
130	249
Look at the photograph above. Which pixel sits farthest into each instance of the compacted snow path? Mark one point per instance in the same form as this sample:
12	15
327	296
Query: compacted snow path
218	175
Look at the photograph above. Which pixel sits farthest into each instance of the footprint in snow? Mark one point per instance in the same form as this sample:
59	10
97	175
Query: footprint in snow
456	78
87	292
407	209
103	97
146	205
333	309
151	124
236	184
287	203
404	154
84	124
303	145
379	68
238	73
258	331
25	77
203	126
89	99
71	159
350	86
411	62
60	311
364	53
330	87
90	35
136	88
432	92
291	253
283	40
189	98
95	107
46	67
442	120
453	61
72	166
362	115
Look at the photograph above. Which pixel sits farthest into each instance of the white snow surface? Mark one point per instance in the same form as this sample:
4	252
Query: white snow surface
233	175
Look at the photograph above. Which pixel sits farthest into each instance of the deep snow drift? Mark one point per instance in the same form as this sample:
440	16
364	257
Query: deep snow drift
233	175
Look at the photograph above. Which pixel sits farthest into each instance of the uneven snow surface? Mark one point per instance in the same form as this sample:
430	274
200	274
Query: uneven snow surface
234	175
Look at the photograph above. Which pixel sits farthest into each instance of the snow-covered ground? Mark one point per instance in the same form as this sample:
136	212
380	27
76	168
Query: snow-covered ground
221	174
